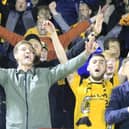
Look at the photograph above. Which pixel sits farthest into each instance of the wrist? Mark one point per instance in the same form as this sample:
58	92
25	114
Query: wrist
54	35
54	12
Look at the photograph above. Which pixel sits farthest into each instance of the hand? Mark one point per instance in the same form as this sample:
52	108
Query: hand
104	9
91	46
49	27
99	20
52	7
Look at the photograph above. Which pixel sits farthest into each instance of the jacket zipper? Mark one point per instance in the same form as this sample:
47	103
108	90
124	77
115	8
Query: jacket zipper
25	83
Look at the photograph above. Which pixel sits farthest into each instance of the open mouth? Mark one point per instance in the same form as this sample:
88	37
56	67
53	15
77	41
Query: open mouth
20	6
27	57
110	68
97	70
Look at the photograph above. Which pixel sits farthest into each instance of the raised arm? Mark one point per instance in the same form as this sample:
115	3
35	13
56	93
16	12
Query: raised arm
9	36
70	66
58	17
80	46
73	33
55	40
90	47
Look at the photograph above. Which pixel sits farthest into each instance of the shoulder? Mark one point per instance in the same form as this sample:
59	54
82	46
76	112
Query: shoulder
45	69
122	89
31	30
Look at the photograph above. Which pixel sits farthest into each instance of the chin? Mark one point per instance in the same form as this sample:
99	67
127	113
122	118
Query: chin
28	63
98	78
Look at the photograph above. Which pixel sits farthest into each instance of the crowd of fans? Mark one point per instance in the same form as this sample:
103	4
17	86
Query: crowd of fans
73	89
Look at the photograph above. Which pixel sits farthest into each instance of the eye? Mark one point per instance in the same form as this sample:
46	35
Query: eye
94	62
23	49
101	62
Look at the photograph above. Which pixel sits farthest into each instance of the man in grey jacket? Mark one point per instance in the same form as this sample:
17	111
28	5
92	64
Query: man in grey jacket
27	87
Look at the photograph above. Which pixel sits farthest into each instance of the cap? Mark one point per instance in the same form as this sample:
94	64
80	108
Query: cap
32	36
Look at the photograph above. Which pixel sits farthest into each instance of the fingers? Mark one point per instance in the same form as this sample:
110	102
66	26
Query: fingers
98	24
48	26
95	46
99	11
52	6
88	47
104	8
91	46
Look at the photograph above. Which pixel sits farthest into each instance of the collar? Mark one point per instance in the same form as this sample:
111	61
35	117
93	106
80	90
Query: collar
31	71
90	80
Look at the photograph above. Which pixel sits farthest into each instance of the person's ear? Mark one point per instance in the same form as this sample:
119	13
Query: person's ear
15	56
90	11
38	17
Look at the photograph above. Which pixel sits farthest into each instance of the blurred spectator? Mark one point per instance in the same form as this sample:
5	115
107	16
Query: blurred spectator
65	38
116	14
117	112
16	17
83	13
124	34
111	73
69	9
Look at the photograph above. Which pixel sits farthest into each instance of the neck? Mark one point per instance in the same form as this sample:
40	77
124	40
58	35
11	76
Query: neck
24	68
97	81
82	18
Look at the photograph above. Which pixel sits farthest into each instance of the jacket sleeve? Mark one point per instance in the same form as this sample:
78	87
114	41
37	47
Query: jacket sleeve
61	22
9	36
73	33
66	39
114	113
62	70
3	76
76	49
